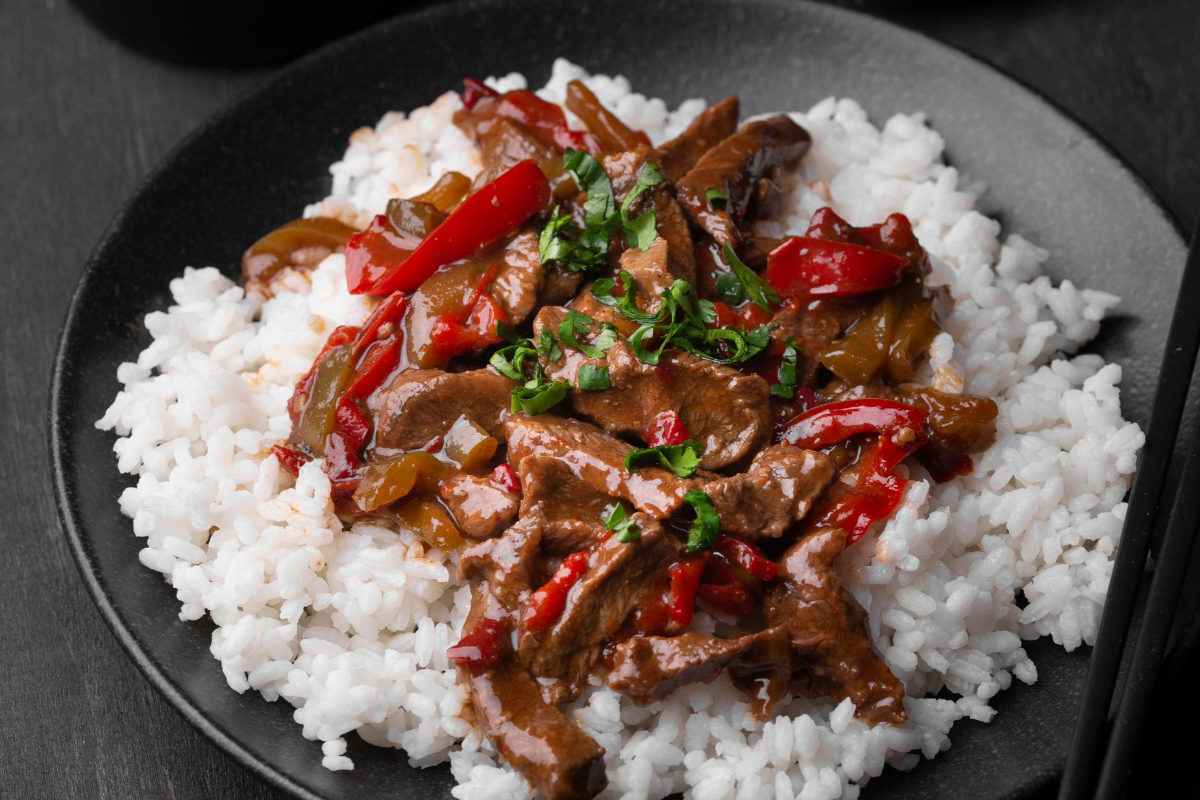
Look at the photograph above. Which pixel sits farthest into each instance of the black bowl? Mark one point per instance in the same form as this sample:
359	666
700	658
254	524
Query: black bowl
262	160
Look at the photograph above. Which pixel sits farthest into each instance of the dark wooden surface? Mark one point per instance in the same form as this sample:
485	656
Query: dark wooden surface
81	122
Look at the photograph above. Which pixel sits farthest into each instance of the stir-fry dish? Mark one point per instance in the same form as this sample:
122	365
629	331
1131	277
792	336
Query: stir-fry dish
587	371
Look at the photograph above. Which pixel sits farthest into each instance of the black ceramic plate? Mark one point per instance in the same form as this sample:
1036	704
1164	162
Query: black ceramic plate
259	162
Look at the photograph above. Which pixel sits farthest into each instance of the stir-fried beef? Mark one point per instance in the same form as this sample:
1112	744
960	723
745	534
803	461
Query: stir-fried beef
723	409
519	278
829	631
669	220
714	124
536	738
566	577
421	405
778	489
596	460
647	669
480	507
573	510
619	575
734	167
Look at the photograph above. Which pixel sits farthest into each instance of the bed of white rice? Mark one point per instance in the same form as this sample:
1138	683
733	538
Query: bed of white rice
350	626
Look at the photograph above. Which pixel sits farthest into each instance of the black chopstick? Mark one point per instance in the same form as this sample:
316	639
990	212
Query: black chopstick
1091	727
1170	570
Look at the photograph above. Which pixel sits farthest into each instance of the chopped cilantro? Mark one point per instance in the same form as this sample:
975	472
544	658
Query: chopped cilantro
707	525
681	459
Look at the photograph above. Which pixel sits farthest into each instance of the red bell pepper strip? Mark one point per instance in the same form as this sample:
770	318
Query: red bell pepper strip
806	400
481	220
476	90
731	598
341	463
900	430
353	422
390	309
289	459
547	120
821	268
747	556
547	603
685	579
479	648
381	360
835	422
472	329
666	428
506	478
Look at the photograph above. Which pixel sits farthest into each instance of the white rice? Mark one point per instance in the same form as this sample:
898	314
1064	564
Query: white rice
351	626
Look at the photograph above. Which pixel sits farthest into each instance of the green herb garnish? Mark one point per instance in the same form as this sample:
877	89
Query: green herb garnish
681	459
538	396
591	378
584	249
786	388
707	525
619	522
681	321
717	199
755	287
574	323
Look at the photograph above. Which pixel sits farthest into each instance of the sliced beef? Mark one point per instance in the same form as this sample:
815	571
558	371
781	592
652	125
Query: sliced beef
647	669
595	459
565	368
829	633
670	221
420	405
779	488
714	124
651	273
559	286
734	168
619	576
480	508
573	510
724	410
503	143
519	278
537	739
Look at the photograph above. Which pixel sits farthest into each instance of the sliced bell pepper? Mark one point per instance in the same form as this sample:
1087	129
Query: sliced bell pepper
731	598
821	268
900	430
747	556
685	579
547	603
353	422
609	131
387	480
378	261
479	648
546	120
835	422
506	478
319	416
666	428
389	310
289	459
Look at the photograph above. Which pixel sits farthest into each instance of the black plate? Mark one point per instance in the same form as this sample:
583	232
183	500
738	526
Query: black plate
259	162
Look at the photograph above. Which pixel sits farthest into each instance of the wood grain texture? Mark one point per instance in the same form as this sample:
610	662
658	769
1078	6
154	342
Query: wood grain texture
82	121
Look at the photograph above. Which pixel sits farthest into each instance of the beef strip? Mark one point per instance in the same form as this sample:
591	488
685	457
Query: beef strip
721	408
573	510
647	669
734	167
779	488
595	459
651	273
829	632
619	576
559	286
537	739
708	129
670	221
420	405
480	508
503	143
519	278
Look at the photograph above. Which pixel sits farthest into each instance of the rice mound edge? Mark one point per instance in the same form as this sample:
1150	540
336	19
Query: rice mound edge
351	626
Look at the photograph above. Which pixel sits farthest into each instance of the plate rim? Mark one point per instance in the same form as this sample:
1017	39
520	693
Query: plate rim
73	524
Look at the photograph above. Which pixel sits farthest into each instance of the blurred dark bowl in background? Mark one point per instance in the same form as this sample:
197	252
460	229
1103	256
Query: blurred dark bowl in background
234	33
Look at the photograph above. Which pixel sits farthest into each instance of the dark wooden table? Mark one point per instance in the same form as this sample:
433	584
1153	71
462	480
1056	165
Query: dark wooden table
82	120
